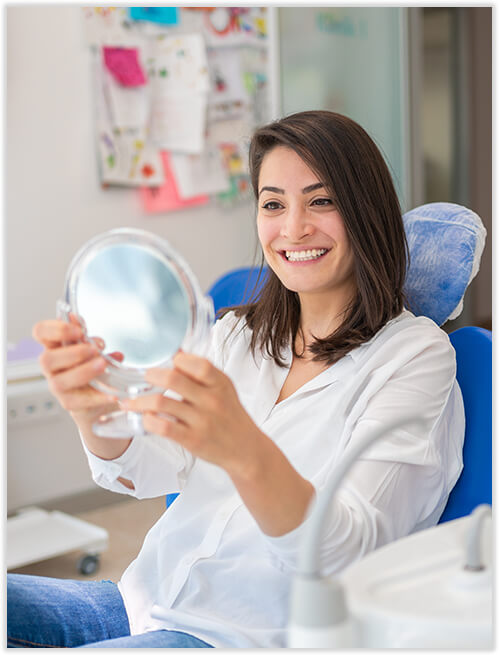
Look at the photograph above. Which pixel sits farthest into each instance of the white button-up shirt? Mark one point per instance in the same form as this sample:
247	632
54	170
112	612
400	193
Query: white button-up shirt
206	568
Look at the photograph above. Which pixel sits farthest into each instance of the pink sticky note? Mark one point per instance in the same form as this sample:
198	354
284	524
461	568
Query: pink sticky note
167	197
123	63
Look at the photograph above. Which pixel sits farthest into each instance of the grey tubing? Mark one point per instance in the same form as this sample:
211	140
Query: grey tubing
473	549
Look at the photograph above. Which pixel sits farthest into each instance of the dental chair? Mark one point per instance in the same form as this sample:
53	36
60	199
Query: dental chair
237	287
445	243
473	346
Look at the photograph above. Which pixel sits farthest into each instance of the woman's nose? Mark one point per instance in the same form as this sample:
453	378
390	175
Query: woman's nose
295	225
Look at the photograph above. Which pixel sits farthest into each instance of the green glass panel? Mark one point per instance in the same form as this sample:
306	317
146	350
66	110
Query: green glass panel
350	60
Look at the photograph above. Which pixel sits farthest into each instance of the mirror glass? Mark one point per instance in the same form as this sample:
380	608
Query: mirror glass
135	301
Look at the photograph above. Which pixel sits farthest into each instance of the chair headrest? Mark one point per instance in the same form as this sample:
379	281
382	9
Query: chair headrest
445	242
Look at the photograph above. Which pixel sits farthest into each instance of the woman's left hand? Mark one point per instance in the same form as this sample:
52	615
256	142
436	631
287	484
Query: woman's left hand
208	420
211	423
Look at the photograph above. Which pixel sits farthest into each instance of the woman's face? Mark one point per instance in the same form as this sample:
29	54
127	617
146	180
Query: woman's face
301	232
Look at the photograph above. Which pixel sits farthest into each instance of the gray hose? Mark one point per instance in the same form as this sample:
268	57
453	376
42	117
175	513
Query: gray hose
475	532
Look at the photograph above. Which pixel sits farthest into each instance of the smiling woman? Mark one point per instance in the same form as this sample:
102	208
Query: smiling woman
321	184
252	431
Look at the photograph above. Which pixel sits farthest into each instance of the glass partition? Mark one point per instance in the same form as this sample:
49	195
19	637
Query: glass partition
351	60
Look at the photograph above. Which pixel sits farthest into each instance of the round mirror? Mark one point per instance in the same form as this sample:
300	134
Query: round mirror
131	289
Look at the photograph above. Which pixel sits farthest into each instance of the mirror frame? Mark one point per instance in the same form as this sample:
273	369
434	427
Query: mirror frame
120	379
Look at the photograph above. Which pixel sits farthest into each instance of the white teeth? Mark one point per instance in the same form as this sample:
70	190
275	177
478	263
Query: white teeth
304	255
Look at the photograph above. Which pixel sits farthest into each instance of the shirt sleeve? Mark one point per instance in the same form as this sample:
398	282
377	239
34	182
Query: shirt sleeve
401	483
154	464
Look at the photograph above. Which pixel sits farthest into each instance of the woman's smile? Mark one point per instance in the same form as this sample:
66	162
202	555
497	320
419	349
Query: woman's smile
304	256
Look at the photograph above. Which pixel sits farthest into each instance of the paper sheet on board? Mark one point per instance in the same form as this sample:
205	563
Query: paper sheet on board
124	65
125	155
203	173
167	197
178	76
228	98
128	106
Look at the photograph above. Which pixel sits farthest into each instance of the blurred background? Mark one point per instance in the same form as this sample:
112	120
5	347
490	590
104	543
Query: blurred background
419	80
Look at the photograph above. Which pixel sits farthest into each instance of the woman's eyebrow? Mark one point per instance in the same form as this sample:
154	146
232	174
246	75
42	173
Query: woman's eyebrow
313	187
273	189
307	189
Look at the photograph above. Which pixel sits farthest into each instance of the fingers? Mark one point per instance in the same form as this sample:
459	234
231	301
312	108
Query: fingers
75	319
159	404
70	364
164	428
77	376
177	381
85	399
196	367
52	333
100	343
119	357
59	359
189	375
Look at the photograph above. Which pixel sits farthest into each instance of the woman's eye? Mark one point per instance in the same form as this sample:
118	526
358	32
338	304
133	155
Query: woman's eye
322	202
271	205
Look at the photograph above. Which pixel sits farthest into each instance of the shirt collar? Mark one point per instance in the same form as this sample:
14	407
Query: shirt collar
272	376
357	352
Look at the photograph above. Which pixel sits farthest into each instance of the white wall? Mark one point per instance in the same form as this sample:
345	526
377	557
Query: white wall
54	203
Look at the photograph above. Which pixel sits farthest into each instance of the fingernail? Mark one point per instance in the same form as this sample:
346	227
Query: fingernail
99	364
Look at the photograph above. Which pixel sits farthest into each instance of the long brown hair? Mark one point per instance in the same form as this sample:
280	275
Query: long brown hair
353	171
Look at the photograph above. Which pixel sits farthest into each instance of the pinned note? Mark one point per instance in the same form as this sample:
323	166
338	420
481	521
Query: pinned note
234	26
203	173
240	188
167	197
178	74
163	15
123	64
125	158
178	122
228	96
125	154
109	26
179	64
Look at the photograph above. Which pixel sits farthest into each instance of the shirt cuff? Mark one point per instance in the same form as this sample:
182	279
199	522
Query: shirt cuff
108	470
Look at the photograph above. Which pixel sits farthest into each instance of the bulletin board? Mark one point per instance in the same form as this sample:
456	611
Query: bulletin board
177	94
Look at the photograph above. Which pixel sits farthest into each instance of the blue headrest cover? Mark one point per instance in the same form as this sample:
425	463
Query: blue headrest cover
446	242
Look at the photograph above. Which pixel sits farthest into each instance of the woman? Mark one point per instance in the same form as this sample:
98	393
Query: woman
326	354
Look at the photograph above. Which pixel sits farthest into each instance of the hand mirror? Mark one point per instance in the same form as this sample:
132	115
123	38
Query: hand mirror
130	288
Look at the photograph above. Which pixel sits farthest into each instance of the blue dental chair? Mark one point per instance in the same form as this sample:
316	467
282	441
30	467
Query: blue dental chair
237	286
445	244
473	346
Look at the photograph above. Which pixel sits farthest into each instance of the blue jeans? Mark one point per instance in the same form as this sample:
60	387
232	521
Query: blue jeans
55	613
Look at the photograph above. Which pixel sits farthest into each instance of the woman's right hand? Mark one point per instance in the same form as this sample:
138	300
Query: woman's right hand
69	364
